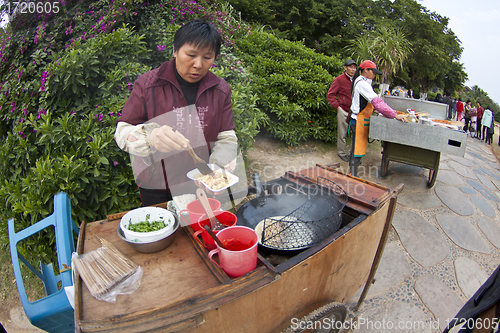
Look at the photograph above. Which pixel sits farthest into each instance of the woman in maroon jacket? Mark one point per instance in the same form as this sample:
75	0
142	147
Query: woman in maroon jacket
179	101
480	111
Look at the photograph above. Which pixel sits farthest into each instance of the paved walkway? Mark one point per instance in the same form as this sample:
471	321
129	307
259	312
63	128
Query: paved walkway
444	244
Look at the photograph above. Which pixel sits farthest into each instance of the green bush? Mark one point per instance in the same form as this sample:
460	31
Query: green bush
68	145
431	96
247	116
65	79
292	82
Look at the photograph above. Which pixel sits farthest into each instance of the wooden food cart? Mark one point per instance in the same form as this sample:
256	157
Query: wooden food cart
183	291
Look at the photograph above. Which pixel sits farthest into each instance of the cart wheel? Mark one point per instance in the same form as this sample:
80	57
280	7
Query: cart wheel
327	319
432	178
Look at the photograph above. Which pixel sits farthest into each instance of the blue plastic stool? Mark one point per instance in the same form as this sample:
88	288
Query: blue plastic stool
52	313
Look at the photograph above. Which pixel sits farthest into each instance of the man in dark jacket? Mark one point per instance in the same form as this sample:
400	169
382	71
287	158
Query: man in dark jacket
448	100
339	96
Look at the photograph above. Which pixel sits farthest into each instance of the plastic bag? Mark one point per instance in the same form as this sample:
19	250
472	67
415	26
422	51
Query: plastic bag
107	272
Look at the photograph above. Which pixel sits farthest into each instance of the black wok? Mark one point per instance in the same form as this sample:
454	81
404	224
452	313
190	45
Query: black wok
272	205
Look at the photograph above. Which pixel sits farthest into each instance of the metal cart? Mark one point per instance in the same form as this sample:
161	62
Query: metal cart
416	144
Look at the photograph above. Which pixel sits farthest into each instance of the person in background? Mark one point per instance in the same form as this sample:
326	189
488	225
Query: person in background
447	100
339	96
454	108
486	122
468	114
179	102
460	109
491	131
480	111
364	101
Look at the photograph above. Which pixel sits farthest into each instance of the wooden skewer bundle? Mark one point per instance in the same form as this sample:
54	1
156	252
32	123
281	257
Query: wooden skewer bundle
104	268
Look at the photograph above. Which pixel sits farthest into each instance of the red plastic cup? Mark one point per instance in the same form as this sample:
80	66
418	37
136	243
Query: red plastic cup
195	210
226	218
240	255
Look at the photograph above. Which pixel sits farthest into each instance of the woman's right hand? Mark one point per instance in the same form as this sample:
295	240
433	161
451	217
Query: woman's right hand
166	139
402	118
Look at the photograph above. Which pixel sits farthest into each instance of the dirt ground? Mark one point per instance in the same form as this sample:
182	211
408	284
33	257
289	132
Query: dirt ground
8	292
271	158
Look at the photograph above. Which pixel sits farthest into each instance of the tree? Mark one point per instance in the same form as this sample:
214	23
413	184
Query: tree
435	46
391	52
329	25
455	76
256	11
387	46
360	48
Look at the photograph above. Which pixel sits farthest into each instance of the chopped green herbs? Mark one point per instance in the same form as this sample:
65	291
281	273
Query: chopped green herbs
147	226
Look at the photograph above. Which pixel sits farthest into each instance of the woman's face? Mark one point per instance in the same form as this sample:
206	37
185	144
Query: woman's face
369	74
193	63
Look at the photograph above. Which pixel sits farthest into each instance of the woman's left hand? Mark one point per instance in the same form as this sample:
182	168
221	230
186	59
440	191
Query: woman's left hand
402	118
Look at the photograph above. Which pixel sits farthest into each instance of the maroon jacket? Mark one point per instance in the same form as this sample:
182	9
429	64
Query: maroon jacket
480	112
157	94
340	93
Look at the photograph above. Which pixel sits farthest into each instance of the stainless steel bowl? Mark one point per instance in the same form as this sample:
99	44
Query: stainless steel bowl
155	246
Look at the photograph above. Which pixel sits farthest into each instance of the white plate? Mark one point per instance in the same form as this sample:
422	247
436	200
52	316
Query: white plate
193	174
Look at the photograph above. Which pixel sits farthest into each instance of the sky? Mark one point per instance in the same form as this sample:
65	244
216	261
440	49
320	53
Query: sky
476	24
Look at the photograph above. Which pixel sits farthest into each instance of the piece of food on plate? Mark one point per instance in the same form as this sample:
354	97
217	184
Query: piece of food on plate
215	180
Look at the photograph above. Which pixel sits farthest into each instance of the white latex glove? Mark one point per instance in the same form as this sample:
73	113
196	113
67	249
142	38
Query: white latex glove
166	139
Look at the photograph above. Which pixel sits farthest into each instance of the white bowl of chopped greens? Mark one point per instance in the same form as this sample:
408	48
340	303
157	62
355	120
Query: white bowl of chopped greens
147	224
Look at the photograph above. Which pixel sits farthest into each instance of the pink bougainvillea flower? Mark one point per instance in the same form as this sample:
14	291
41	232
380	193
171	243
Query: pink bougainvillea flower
99	117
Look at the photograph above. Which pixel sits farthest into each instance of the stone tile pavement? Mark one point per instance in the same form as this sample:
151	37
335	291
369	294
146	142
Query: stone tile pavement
444	244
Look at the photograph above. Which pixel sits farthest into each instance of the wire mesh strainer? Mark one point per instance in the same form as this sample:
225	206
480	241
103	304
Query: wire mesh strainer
305	226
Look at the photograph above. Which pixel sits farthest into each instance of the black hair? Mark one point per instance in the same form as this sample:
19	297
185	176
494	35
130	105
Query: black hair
354	77
478	102
468	101
200	33
447	92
